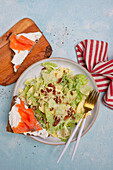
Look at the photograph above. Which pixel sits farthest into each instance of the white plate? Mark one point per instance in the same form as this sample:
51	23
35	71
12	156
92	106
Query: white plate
35	70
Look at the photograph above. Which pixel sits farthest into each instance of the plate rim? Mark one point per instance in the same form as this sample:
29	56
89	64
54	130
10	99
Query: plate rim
95	117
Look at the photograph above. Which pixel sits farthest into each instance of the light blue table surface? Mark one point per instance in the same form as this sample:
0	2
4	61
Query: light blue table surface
64	23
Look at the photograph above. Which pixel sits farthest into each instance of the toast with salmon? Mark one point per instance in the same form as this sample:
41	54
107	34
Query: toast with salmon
40	50
22	120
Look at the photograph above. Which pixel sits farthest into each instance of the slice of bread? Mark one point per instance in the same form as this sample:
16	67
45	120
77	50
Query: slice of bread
8	128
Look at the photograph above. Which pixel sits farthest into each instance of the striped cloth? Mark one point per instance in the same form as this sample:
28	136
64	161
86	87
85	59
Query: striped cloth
92	54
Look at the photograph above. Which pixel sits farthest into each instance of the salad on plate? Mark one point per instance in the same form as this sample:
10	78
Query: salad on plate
56	99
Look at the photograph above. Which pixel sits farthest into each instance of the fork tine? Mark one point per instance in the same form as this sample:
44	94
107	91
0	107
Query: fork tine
93	96
90	96
96	97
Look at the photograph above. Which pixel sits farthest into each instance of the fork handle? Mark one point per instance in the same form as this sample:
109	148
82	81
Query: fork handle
78	138
70	139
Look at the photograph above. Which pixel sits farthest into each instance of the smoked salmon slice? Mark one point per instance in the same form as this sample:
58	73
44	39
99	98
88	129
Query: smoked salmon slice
17	66
25	40
28	120
21	128
21	44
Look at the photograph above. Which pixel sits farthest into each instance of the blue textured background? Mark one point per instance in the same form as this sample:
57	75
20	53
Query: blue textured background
64	23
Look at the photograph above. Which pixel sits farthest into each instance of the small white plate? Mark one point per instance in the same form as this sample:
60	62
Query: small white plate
35	69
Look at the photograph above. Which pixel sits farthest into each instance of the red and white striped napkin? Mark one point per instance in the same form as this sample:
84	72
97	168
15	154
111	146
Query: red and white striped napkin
92	54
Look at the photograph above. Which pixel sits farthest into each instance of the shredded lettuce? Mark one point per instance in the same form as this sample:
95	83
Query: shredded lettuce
48	64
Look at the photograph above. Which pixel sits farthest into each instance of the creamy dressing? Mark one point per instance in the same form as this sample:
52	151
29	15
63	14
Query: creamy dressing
20	57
